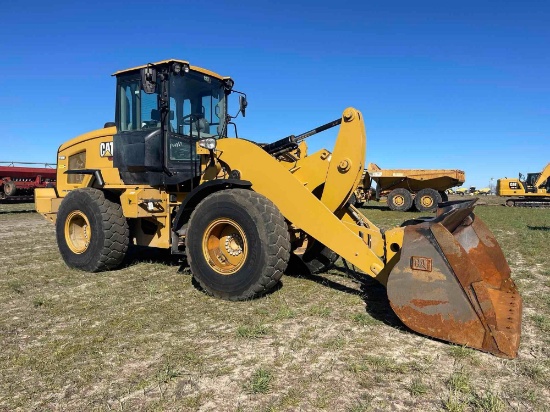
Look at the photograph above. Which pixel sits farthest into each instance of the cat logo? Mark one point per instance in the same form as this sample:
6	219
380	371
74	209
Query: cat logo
106	149
421	263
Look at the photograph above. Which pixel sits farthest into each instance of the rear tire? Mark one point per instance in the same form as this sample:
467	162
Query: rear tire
426	200
400	200
92	233
237	244
318	258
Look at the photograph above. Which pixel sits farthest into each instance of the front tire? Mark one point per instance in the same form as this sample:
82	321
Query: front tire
237	244
92	233
400	200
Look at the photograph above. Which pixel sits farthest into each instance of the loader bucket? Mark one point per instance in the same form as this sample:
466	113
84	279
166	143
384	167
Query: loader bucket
452	282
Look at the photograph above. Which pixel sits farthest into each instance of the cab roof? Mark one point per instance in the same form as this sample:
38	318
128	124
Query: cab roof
162	62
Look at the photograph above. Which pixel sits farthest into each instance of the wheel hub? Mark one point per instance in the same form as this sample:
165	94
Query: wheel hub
398	200
77	232
426	201
224	246
234	244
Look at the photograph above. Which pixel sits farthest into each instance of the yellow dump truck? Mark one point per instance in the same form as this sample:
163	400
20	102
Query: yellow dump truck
404	189
166	174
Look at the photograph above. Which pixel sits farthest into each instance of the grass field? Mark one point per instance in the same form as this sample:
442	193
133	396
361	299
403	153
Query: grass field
144	338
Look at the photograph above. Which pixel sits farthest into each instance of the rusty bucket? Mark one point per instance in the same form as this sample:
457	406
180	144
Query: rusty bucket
452	282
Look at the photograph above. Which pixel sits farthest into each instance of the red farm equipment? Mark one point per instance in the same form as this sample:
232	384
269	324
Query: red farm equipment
17	182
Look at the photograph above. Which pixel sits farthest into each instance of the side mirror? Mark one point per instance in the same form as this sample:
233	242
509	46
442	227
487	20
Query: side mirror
242	104
148	79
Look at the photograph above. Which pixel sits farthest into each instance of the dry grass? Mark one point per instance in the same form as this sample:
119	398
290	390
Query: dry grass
143	338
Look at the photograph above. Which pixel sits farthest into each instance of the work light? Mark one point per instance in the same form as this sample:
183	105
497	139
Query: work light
209	143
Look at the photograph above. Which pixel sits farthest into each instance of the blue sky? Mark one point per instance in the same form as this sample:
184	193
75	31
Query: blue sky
441	84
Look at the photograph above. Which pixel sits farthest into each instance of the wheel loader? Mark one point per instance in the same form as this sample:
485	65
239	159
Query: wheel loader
167	175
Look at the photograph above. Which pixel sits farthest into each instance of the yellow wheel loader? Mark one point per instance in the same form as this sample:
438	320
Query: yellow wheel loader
166	175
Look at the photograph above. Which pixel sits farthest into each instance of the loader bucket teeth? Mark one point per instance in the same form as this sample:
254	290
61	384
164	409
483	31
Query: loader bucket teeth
453	283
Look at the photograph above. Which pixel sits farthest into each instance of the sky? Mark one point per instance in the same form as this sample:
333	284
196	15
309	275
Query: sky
441	84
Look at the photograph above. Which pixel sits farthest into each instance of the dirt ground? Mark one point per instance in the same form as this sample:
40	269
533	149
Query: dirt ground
145	338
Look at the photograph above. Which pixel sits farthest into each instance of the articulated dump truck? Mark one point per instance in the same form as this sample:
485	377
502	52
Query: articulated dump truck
167	175
405	189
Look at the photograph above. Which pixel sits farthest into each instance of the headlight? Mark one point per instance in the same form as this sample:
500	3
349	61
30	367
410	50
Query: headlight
209	143
228	84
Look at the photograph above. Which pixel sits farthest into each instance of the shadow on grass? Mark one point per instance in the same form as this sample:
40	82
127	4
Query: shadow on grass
374	207
13	212
143	254
371	291
543	228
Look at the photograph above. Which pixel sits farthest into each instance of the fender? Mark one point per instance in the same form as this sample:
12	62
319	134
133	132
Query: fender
200	192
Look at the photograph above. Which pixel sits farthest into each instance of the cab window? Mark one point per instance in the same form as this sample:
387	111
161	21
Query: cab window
137	110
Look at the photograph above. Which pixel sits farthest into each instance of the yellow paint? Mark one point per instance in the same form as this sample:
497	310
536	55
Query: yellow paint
78	232
312	170
159	238
225	246
347	160
47	203
195	68
297	203
417	179
288	184
513	187
89	143
136	202
393	245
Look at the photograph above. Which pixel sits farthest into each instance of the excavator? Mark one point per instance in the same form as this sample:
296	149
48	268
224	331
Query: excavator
166	174
530	191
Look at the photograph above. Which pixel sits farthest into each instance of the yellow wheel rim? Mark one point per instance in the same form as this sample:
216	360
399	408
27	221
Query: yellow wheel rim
398	200
426	201
224	246
77	232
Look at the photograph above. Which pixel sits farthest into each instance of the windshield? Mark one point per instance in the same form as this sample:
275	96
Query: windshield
197	105
197	111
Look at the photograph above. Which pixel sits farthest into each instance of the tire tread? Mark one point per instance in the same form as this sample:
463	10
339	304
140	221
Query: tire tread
115	229
278	241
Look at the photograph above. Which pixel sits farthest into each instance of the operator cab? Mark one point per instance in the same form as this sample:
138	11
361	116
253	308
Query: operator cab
162	110
529	182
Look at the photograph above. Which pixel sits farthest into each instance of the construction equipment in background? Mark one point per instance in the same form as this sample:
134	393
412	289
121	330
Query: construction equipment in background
533	191
17	183
461	191
485	191
168	176
408	188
